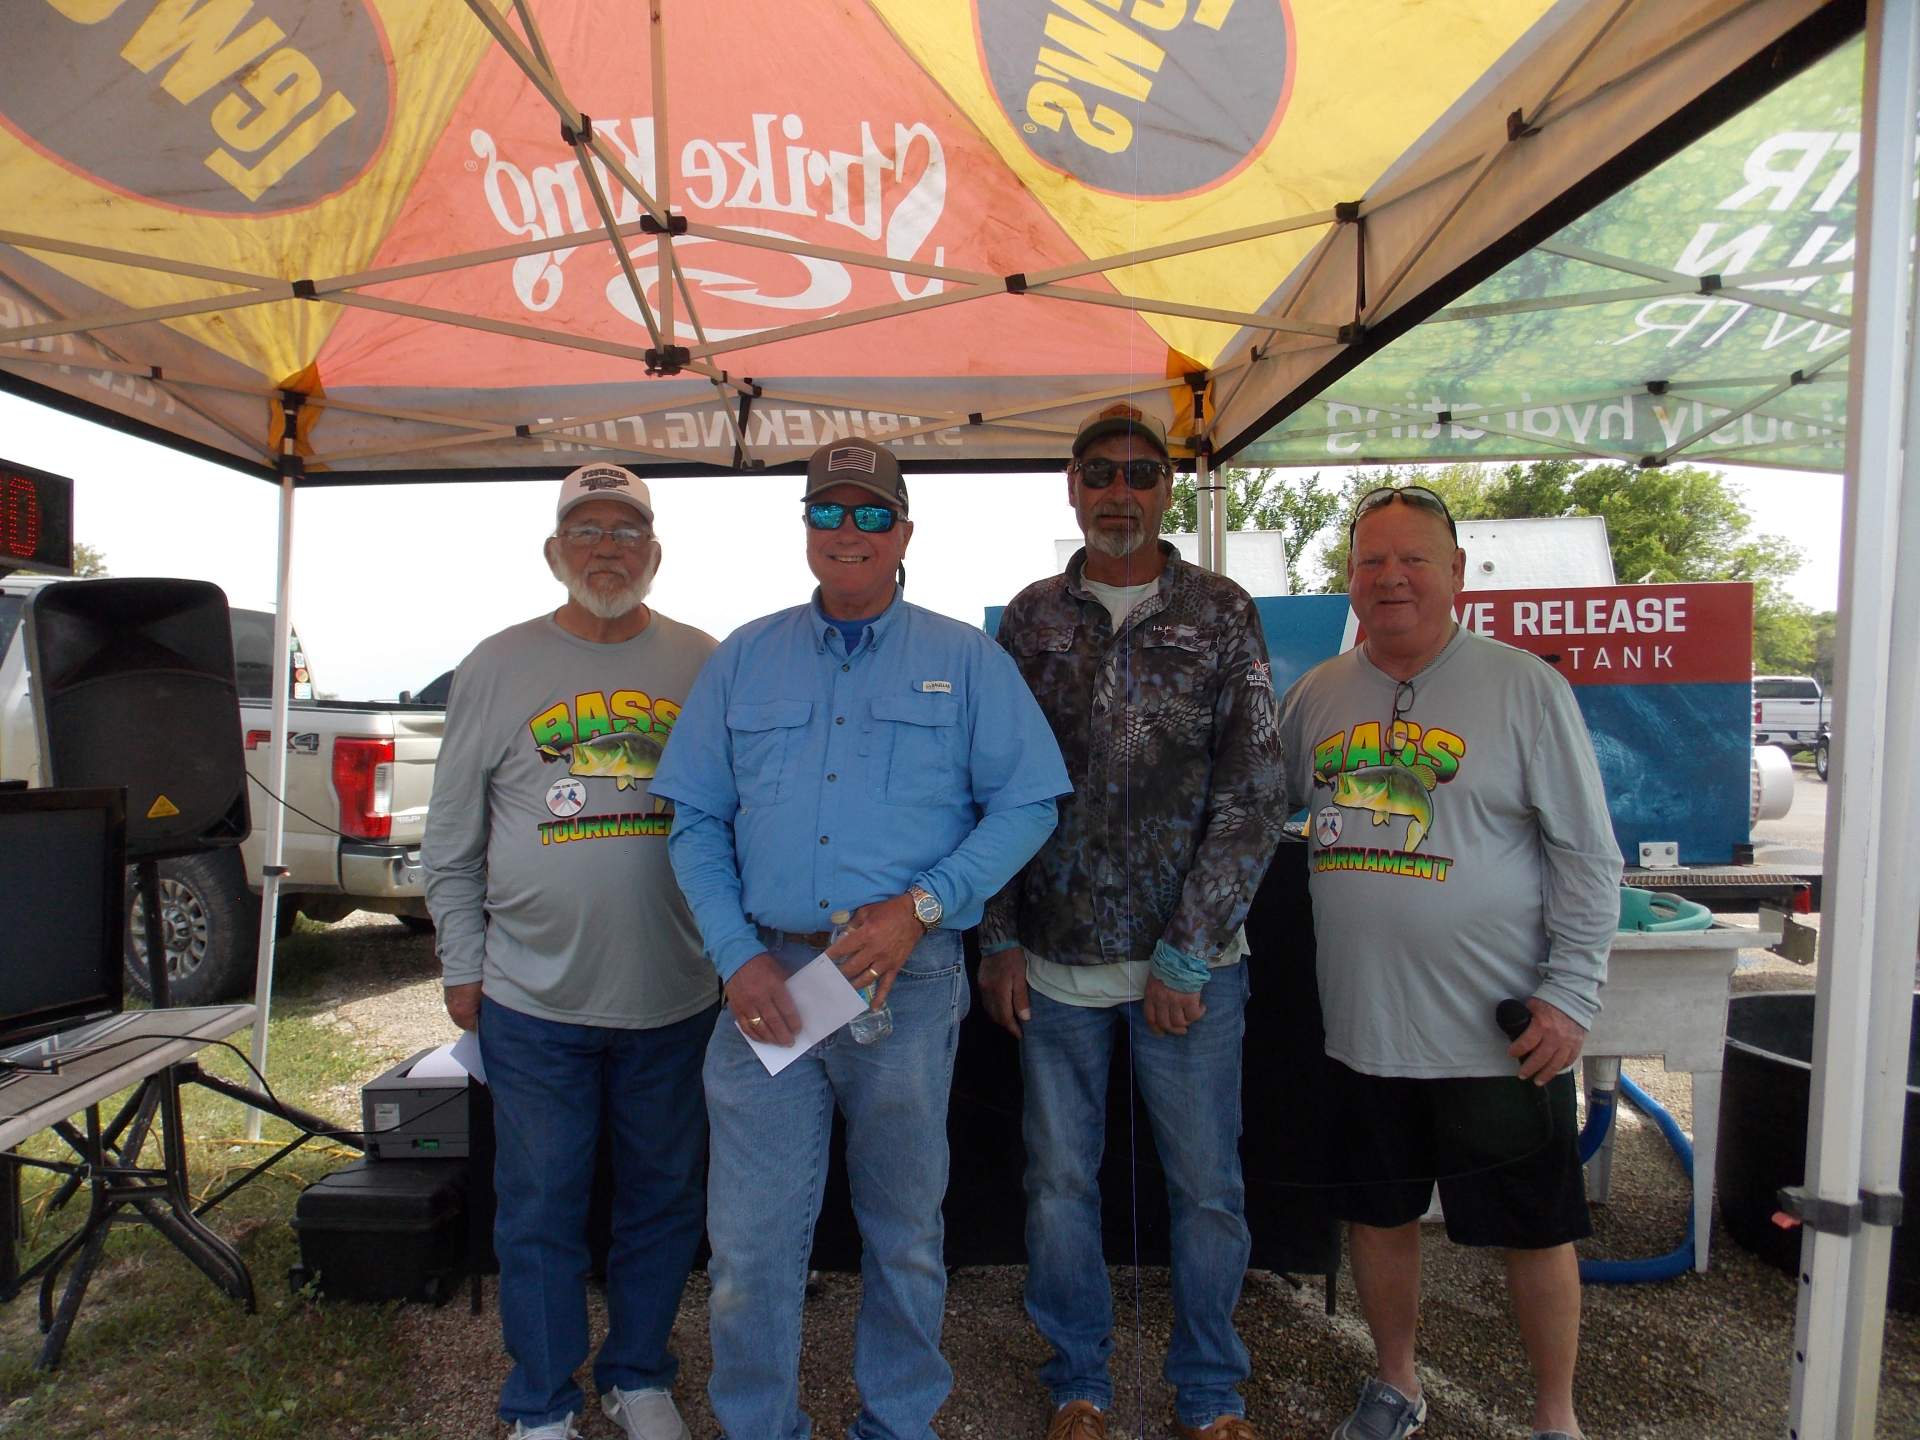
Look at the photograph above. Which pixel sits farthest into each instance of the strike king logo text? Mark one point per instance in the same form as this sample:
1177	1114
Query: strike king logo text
1147	98
229	106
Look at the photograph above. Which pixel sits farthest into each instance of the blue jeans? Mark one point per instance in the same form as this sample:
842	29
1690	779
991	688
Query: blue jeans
764	1186
553	1085
1191	1087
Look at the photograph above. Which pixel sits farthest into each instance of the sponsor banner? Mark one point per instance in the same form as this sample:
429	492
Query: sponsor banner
1143	121
883	166
223	132
1505	373
1625	634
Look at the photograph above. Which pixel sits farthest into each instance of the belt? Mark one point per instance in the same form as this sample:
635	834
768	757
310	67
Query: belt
813	939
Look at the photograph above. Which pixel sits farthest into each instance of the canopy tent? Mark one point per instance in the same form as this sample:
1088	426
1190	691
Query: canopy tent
1702	314
380	241
960	226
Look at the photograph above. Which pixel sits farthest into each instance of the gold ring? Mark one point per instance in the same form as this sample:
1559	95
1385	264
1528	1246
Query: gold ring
873	972
753	1019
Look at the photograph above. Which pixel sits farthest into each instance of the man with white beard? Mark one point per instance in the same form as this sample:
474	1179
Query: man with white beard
565	942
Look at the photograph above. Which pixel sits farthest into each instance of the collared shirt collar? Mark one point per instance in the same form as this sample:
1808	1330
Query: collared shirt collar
877	628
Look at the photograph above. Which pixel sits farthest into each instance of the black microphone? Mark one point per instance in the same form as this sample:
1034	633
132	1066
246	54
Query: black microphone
1513	1017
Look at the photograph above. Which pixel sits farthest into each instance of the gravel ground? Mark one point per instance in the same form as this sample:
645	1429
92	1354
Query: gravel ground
1705	1355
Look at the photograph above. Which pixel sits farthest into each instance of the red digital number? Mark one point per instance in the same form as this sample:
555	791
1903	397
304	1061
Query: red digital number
23	517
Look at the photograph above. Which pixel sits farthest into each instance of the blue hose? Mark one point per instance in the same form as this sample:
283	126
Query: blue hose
1600	1113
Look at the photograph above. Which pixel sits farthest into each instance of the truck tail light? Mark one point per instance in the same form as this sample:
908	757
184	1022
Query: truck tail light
363	779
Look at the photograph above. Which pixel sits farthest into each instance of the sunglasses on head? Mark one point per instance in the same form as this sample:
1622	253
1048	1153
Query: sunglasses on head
1098	473
873	519
1407	494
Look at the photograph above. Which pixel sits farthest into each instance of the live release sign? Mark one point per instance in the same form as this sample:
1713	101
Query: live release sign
1625	634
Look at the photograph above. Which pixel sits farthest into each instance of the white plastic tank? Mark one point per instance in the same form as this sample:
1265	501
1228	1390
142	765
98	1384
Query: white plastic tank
1772	794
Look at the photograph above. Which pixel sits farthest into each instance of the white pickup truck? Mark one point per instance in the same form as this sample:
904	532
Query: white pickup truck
1789	711
358	780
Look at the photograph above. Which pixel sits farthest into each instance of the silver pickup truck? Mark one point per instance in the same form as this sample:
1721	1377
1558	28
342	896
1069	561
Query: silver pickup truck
1789	711
358	780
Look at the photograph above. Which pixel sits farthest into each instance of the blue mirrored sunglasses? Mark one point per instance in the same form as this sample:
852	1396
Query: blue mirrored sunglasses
874	519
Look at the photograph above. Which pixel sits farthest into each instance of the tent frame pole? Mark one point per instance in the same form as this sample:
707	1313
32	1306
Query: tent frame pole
273	865
1842	1298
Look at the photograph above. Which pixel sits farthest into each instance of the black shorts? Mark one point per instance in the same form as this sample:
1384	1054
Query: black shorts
1504	1151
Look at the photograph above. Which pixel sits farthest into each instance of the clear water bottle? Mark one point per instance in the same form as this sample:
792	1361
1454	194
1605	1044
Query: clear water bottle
870	1024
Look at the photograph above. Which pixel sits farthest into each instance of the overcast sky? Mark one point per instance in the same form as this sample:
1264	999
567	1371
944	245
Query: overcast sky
394	584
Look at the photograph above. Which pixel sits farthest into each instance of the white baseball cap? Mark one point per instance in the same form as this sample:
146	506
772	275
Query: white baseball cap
601	481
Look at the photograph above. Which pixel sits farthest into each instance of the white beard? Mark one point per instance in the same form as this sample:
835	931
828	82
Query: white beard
1116	543
601	604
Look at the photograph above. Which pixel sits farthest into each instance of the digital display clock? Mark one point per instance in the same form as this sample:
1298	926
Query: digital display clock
36	520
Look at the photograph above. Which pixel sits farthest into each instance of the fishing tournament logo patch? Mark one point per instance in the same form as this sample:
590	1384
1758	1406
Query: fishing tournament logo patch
1393	785
1148	99
603	737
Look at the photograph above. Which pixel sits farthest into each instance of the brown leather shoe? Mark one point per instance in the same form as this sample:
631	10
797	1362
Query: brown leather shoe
1077	1420
1225	1427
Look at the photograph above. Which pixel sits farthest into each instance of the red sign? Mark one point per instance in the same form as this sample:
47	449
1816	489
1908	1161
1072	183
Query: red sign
1625	634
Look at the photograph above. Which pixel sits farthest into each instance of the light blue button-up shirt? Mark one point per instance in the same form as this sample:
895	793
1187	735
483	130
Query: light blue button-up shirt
806	780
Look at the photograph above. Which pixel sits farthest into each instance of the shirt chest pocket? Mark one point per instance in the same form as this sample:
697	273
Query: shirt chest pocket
913	743
766	738
1174	674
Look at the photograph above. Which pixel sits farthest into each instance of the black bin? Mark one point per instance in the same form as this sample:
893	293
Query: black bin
384	1230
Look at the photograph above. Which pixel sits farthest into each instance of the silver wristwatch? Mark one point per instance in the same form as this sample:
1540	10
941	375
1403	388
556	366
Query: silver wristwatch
926	909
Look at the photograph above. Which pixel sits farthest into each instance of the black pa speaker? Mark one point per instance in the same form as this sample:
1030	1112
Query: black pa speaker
133	685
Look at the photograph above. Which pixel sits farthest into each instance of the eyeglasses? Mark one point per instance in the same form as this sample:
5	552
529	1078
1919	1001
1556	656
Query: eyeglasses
1410	494
1397	725
627	537
1098	473
873	519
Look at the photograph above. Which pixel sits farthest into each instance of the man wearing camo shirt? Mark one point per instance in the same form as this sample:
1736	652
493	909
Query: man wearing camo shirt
1154	676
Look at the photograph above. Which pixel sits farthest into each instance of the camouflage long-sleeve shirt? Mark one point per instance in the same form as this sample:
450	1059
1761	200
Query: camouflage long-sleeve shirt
1170	734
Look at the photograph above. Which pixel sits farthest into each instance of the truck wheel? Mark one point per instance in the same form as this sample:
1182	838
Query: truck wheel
416	924
1820	758
211	922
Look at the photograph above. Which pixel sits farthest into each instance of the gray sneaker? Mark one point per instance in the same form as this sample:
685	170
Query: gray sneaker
644	1414
552	1430
1382	1414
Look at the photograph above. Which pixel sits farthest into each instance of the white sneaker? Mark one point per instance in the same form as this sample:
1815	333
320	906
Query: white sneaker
644	1414
552	1430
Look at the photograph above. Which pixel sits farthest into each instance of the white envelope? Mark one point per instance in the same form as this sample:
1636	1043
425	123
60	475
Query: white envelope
825	1001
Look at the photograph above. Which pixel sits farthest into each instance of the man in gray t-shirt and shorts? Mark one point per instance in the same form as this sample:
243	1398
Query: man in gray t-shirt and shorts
1461	855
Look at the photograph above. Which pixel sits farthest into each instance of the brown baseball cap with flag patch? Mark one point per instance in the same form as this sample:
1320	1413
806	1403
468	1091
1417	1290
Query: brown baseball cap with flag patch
859	462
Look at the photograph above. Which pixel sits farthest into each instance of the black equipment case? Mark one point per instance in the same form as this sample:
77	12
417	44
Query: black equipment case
384	1230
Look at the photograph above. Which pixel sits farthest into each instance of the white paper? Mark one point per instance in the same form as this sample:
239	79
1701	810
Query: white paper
825	1001
464	1053
439	1064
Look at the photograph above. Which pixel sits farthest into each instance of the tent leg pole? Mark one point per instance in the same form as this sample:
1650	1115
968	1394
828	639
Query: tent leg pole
1835	1327
1205	498
273	866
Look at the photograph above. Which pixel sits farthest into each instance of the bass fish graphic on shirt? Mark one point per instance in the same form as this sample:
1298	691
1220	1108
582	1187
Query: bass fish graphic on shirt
1389	792
626	758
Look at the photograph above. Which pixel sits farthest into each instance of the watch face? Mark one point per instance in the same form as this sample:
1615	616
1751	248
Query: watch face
927	908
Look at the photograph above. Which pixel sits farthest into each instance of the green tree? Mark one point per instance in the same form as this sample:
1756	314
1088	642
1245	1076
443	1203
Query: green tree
1824	623
1299	508
88	562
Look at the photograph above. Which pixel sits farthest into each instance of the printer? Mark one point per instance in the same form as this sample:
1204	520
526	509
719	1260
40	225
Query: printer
418	1109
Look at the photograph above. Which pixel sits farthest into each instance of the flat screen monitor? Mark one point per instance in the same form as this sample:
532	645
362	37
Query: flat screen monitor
62	908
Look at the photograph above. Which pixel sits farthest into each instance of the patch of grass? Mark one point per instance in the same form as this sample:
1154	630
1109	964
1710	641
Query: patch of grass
157	1349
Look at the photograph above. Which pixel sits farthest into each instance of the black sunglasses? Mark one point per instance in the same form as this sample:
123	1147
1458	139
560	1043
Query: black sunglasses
873	519
1409	494
1098	473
